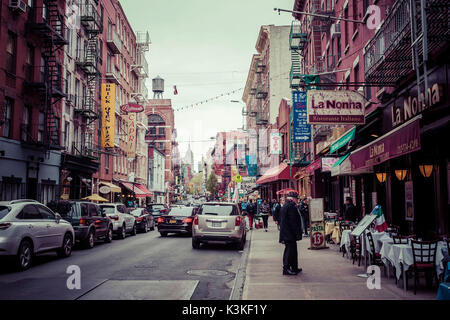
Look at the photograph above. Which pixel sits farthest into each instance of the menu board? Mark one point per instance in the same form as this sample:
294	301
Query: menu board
363	225
316	210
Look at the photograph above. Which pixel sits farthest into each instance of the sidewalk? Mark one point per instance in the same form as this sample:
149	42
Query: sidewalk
326	274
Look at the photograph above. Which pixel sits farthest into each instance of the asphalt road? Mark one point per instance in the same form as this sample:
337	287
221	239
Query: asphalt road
145	266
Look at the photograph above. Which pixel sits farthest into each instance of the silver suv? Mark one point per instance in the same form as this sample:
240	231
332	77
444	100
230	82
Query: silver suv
123	221
27	227
219	222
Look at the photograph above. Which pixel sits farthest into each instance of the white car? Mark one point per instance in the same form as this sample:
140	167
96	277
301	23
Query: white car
123	222
27	228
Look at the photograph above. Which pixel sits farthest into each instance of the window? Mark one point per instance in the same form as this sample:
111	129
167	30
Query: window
161	131
29	61
4	211
29	212
153	130
45	213
66	134
338	47
93	210
356	76
77	92
84	209
106	163
7	126
41	127
346	26
26	130
219	210
11	53
355	15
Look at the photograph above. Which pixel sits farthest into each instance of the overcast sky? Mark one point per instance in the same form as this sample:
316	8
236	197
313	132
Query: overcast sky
204	47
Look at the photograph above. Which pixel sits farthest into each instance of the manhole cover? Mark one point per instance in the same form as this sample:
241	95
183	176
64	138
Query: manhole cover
206	273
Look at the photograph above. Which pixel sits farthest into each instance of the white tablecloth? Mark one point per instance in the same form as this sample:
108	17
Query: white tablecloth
345	239
401	254
378	237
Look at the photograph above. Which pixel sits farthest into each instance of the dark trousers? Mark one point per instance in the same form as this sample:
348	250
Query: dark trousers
265	218
251	218
290	256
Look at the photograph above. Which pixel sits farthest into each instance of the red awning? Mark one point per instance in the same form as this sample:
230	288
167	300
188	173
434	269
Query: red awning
147	192
139	193
281	172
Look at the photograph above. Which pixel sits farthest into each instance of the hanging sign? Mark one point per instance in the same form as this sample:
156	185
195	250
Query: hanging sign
335	107
301	131
131	108
131	136
275	143
108	106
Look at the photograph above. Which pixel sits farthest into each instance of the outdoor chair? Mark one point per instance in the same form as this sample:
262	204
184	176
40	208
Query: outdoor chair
355	250
403	239
424	255
375	258
393	230
344	226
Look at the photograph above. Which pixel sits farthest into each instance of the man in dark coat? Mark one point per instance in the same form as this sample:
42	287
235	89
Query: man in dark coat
251	210
290	233
350	210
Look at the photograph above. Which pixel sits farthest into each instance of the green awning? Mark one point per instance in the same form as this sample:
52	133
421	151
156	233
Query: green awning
343	141
341	160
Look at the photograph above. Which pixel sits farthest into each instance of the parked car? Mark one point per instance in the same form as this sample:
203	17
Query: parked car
88	220
123	222
27	228
144	220
178	220
157	209
219	221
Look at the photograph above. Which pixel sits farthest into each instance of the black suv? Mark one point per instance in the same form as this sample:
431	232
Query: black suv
88	220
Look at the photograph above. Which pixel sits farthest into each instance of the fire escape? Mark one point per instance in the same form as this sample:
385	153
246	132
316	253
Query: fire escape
87	61
404	41
261	93
48	23
141	66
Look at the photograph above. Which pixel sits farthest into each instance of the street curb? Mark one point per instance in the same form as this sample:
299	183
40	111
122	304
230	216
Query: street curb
239	280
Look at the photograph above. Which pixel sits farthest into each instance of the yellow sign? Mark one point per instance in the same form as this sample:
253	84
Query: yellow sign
238	178
131	136
108	114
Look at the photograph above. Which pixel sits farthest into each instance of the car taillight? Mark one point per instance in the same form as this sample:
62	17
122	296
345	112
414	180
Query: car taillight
4	226
82	221
139	219
163	211
160	220
196	220
114	218
187	220
238	221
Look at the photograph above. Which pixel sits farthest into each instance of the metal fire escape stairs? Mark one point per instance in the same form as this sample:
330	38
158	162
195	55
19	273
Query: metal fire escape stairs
50	26
91	21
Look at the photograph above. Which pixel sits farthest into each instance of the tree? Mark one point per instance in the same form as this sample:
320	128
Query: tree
195	184
211	184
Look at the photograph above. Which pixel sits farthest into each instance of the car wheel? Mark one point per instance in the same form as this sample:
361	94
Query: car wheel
109	235
122	232
66	248
89	242
163	234
134	231
25	255
195	243
146	228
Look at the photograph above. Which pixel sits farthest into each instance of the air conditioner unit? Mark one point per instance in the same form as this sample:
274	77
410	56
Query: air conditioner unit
18	6
335	30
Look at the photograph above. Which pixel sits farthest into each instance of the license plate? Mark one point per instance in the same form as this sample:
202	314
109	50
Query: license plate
173	221
217	224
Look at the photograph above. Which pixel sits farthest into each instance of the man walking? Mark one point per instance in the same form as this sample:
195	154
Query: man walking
251	210
304	212
290	233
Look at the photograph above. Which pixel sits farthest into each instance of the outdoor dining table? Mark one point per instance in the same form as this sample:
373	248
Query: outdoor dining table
401	257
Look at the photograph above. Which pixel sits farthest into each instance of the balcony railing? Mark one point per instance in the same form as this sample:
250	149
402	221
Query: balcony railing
90	18
113	75
86	150
141	66
114	42
388	55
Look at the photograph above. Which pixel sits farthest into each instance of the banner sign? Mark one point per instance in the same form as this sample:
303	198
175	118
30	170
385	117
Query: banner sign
131	136
404	140
328	163
275	143
301	131
252	167
335	107
108	109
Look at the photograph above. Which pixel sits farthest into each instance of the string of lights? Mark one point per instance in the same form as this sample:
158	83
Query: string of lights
208	100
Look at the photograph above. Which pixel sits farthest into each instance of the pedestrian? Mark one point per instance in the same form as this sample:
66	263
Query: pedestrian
265	208
290	233
244	205
251	210
304	212
350	210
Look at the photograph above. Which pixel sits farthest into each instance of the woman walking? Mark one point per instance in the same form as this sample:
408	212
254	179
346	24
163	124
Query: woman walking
265	208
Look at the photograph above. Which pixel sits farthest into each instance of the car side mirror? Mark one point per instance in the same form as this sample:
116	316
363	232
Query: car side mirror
58	217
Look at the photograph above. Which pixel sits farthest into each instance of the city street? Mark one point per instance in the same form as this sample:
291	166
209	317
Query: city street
146	266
